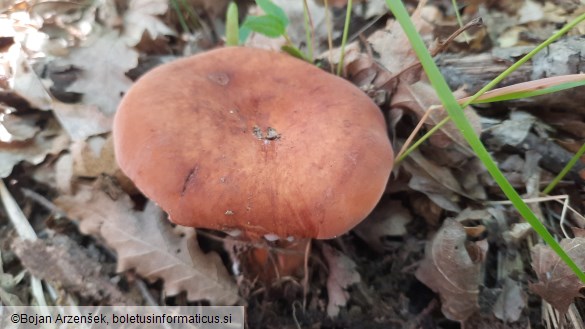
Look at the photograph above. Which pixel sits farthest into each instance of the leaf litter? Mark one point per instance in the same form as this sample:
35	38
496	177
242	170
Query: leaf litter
92	46
147	242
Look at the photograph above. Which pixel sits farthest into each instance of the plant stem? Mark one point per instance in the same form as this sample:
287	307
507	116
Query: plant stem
184	25
459	20
565	170
344	38
309	31
232	33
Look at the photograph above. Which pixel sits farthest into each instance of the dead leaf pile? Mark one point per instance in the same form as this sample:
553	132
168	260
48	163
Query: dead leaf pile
147	242
387	220
557	283
342	274
452	267
64	67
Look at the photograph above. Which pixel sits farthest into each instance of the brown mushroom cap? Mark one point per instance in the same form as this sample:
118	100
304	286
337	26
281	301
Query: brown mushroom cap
257	141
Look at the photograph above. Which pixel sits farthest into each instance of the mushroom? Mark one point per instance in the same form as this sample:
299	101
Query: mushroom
253	141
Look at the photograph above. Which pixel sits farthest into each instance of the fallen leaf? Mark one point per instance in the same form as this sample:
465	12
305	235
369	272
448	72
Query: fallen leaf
342	274
419	98
147	242
436	182
81	121
104	62
424	207
531	11
511	131
14	128
557	284
8	284
50	140
141	17
67	265
63	174
511	302
442	175
25	81
452	268
93	157
389	219
393	45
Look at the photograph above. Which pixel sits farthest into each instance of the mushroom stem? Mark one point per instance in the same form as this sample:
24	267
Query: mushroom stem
279	259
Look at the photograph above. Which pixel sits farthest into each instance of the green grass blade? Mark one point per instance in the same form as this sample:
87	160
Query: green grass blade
179	13
459	19
518	91
497	80
456	113
232	34
565	170
344	37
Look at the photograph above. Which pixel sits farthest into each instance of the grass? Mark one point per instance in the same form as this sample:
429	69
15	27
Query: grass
453	106
497	80
455	111
344	37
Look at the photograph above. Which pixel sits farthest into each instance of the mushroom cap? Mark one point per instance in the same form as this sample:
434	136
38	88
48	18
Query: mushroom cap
256	141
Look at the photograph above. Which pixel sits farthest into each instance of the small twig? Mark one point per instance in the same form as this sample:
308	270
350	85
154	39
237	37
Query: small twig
476	22
145	293
435	51
416	130
42	201
365	27
459	20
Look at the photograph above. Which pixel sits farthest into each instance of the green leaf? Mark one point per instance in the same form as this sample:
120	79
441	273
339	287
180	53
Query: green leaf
244	34
271	9
268	25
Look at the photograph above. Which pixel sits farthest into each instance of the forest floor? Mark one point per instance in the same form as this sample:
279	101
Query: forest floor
443	248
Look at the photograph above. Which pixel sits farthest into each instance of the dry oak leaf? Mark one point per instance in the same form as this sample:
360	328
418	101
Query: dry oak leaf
141	17
50	140
392	44
389	219
342	274
557	284
452	268
104	62
147	242
511	302
81	121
